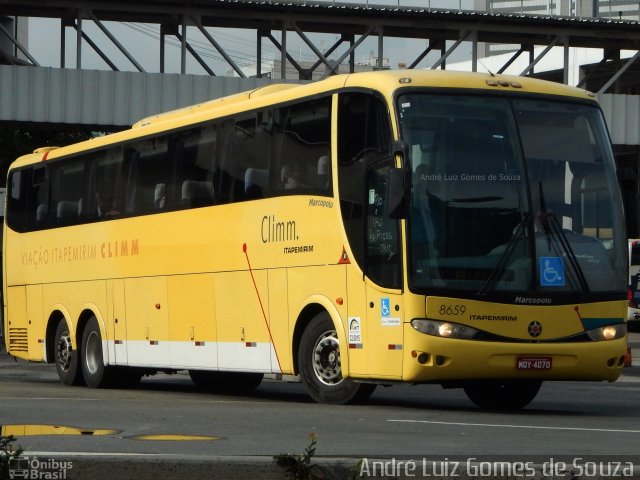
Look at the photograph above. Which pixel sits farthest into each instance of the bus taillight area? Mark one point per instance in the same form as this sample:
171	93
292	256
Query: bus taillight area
438	359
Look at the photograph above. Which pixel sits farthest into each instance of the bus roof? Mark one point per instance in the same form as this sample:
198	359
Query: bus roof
212	104
386	82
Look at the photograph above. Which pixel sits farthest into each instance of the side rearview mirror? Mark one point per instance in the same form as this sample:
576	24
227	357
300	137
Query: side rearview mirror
399	183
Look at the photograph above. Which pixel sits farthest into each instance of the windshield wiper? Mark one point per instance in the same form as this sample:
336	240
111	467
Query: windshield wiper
498	270
518	233
551	227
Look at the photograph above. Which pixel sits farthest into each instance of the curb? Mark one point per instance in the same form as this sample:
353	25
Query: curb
109	469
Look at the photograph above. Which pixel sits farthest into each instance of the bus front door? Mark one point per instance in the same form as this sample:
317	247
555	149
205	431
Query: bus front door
383	277
384	333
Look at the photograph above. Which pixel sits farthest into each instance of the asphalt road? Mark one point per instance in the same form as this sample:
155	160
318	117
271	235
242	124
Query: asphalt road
568	419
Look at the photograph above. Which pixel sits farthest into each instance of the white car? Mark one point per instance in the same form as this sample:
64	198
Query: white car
633	290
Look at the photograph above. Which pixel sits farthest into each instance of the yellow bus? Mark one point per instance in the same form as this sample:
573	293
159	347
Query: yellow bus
374	228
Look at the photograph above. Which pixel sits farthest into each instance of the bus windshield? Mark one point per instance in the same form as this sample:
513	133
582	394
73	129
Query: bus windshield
511	195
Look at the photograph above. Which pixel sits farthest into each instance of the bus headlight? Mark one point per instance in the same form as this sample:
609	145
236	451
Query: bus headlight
609	332
439	328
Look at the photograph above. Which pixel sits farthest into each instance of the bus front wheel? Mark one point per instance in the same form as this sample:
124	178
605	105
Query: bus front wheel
66	357
502	395
320	365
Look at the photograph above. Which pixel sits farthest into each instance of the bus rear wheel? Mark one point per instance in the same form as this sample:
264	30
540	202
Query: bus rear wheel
67	364
96	374
320	365
225	381
93	367
502	395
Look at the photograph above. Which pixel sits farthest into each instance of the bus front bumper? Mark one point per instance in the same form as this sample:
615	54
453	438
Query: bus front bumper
436	359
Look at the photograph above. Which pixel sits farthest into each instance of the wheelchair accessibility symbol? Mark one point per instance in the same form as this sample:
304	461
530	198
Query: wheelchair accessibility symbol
551	272
385	307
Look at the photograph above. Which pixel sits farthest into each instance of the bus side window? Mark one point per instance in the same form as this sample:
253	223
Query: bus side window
302	148
382	232
364	137
195	162
39	199
255	183
17	203
244	151
108	180
197	193
234	145
258	179
150	165
27	201
68	181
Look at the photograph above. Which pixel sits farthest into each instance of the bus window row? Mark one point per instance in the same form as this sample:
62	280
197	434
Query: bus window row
276	152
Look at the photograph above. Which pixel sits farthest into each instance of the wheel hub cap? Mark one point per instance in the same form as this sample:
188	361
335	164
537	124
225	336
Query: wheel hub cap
64	351
326	359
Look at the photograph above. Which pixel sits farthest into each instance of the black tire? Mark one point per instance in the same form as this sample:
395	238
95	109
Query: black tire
320	366
94	371
502	395
225	381
66	358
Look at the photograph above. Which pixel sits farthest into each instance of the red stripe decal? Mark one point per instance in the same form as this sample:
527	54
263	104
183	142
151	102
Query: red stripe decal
264	315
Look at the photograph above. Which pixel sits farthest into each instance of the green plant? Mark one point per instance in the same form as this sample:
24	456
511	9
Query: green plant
354	471
299	467
7	454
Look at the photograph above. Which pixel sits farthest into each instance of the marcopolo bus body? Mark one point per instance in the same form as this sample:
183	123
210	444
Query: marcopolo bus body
373	228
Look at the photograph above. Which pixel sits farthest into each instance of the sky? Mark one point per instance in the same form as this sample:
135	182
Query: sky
142	42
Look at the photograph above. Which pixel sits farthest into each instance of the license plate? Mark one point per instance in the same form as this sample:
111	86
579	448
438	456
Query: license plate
533	363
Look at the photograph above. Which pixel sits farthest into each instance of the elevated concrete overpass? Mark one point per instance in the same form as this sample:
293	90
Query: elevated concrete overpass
107	99
104	99
48	90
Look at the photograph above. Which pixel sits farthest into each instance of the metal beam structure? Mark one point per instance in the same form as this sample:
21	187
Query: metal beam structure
351	21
